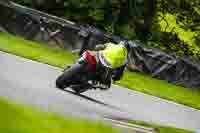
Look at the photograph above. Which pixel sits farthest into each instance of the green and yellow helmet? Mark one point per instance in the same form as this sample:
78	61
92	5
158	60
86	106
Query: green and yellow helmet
114	55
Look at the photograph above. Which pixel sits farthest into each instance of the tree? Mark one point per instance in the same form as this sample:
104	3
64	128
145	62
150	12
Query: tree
150	10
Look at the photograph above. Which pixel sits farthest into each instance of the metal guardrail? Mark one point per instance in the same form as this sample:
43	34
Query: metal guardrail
39	26
36	12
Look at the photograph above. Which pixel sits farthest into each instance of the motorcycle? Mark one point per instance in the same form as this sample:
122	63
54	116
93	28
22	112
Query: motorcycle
84	75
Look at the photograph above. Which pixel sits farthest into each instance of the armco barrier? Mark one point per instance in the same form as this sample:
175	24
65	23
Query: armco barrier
35	25
57	32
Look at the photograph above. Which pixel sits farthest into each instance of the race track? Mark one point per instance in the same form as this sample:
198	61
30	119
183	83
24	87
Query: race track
29	82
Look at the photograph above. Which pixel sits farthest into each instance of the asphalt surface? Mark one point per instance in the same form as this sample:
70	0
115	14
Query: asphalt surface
32	83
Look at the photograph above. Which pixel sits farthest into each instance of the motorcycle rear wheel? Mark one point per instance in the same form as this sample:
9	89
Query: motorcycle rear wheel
79	89
67	77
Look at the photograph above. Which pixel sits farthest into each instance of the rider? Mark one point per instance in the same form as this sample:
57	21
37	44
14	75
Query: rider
111	58
111	61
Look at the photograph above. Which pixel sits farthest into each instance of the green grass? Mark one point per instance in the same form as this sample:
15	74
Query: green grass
136	81
16	118
144	83
19	119
34	51
161	129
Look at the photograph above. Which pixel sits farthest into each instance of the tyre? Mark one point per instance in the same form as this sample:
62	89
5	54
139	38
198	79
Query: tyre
68	77
78	89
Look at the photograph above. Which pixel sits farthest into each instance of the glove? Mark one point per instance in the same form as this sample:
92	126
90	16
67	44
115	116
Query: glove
118	73
116	77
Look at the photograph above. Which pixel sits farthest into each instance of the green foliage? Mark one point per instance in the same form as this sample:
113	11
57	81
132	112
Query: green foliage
176	38
180	20
24	2
125	31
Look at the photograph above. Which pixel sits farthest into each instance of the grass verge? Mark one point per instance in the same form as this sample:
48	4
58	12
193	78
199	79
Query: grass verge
136	81
16	118
35	51
159	88
19	119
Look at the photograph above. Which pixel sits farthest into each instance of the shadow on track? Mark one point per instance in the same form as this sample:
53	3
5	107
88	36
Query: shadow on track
91	99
